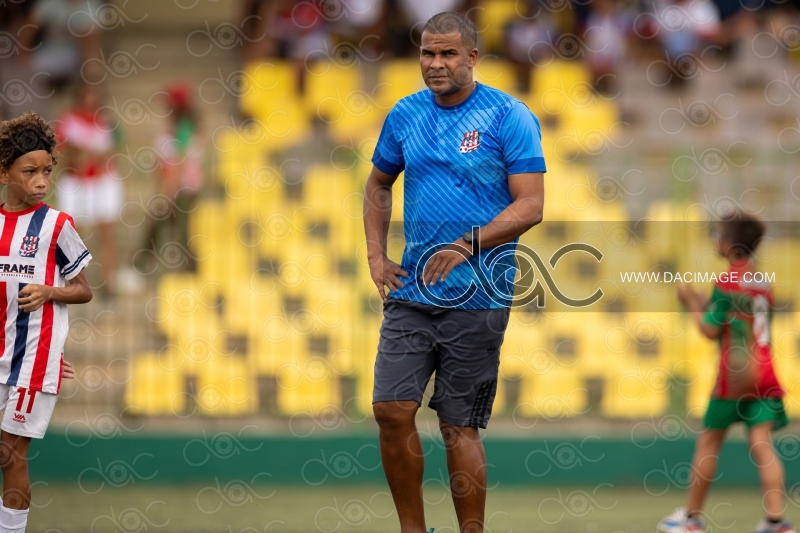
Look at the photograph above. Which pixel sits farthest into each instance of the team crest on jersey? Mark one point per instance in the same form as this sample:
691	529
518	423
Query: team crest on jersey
471	142
30	245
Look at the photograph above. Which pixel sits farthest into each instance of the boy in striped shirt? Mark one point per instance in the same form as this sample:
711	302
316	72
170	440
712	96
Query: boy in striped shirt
738	314
41	271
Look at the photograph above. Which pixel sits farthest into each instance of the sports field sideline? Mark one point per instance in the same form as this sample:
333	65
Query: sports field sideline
234	509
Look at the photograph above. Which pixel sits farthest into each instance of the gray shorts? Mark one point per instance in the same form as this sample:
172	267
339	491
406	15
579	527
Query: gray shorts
461	345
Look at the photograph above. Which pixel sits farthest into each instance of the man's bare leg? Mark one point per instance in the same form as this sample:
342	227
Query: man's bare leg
466	463
403	461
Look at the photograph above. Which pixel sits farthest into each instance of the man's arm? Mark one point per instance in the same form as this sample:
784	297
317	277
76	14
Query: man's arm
527	191
377	215
524	212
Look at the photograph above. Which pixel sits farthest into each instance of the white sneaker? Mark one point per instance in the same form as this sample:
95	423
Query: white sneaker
764	526
679	522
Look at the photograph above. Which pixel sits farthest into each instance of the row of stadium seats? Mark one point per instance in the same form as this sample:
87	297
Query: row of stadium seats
561	96
309	348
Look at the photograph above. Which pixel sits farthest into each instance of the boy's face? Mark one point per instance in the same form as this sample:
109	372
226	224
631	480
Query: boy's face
724	246
28	178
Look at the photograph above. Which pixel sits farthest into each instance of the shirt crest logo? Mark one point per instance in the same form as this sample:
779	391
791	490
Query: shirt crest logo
30	245
471	142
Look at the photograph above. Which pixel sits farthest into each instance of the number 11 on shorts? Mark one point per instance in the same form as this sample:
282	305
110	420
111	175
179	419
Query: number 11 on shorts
21	400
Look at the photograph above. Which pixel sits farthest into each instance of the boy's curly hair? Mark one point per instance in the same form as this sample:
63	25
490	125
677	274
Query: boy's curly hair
24	134
743	230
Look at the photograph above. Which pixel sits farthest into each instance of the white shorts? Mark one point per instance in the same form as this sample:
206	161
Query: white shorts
27	413
90	201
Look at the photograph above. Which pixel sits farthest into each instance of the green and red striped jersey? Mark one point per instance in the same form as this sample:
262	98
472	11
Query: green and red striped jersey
743	310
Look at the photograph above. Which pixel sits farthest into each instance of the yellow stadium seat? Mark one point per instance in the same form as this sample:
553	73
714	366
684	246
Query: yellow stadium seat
183	300
225	387
327	191
524	350
397	79
558	394
252	184
228	260
635	391
596	119
701	368
280	124
282	337
780	256
785	337
313	387
496	73
552	84
365	349
196	344
249	302
329	88
238	162
597	352
270	228
493	16
544	353
332	205
154	388
335	307
267	81
334	94
302	261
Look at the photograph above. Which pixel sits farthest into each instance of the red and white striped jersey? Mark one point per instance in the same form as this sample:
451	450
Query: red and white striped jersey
37	245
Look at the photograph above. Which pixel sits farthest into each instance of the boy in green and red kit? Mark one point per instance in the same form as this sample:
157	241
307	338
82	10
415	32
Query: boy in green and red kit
746	390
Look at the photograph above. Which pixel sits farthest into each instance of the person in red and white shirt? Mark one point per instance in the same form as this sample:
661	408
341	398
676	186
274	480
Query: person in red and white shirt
88	187
41	271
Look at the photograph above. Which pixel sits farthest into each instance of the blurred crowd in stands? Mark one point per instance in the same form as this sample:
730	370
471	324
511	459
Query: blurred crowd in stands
603	33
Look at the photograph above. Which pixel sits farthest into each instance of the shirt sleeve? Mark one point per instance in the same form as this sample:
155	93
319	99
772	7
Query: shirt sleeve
718	307
521	140
72	256
388	156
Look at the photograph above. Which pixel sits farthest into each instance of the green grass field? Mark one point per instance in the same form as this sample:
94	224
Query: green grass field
368	509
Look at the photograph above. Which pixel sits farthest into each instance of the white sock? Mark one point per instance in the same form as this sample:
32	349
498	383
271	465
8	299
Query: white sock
12	520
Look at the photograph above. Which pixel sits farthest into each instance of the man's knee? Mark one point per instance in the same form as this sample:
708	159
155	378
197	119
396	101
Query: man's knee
452	434
394	414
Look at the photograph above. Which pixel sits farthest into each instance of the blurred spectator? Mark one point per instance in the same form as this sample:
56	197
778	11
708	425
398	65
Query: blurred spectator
297	31
255	17
417	12
69	36
17	43
356	18
528	41
87	186
181	177
604	36
686	25
405	19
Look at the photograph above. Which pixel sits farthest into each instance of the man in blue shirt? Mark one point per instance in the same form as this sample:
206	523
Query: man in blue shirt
474	169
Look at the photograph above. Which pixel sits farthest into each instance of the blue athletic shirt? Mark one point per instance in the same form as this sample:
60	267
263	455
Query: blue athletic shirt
457	160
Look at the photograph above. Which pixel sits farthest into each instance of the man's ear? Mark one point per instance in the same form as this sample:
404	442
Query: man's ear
473	57
4	177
